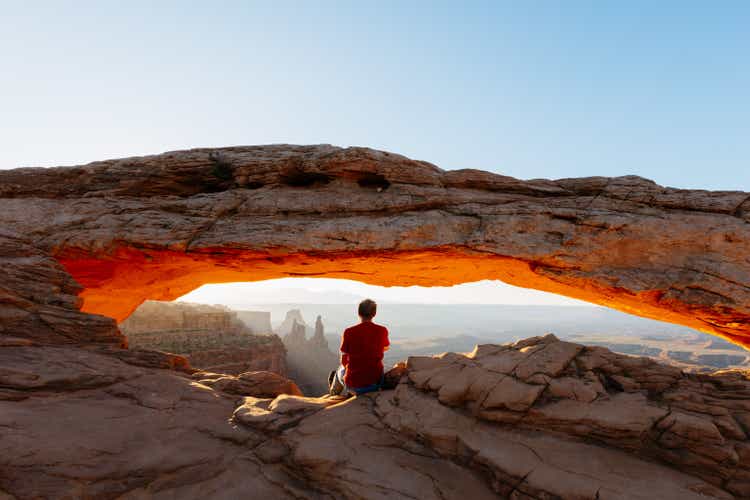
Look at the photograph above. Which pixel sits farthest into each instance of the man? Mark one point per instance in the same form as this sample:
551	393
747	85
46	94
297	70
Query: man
362	348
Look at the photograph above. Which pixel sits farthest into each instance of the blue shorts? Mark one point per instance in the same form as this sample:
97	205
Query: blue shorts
341	371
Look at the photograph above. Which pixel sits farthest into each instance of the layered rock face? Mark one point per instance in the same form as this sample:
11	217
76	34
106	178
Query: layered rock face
309	359
159	226
212	338
540	419
154	316
82	418
39	299
100	422
694	422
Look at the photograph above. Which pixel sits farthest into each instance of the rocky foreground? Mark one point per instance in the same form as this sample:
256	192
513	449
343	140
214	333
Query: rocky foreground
540	418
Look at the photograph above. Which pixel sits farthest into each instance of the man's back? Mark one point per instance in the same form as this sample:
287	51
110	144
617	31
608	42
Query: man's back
363	345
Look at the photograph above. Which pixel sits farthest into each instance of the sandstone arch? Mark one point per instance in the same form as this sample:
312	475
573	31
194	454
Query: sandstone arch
159	226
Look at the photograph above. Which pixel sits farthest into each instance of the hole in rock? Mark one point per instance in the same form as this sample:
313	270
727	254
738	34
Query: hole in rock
375	181
299	178
293	326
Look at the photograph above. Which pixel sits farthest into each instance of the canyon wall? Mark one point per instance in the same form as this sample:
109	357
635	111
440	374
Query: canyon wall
155	316
159	226
212	338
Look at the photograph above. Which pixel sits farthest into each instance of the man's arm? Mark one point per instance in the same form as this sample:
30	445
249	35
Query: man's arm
344	350
386	341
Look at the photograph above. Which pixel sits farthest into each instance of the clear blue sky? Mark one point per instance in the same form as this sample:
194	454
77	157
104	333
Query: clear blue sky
529	89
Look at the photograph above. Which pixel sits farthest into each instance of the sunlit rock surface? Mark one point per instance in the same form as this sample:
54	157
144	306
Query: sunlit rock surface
257	383
537	419
159	226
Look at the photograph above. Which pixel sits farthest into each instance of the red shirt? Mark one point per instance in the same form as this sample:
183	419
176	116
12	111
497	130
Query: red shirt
363	346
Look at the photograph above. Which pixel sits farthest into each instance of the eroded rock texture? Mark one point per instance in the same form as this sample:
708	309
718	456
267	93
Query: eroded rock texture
539	419
159	226
212	338
85	423
39	299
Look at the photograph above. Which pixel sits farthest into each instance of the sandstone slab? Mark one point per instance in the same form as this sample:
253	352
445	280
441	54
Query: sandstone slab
259	383
88	423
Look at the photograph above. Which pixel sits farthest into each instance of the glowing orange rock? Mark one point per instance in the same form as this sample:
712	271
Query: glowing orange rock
157	227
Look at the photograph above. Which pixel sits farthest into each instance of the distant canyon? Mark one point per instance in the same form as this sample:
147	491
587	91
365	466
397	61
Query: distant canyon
219	339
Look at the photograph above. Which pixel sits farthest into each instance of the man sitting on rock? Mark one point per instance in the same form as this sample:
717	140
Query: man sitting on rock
362	348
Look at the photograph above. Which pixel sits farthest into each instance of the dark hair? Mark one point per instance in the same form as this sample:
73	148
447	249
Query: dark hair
367	309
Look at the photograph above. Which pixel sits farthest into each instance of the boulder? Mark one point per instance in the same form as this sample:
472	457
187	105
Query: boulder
260	383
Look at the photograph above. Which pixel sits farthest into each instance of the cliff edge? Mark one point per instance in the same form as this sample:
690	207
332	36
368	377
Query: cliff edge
540	418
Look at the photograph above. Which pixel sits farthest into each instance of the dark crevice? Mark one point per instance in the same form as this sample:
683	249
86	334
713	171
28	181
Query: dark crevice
740	210
296	177
612	386
222	174
375	181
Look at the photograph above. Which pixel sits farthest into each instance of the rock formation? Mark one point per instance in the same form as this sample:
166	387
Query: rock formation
159	226
293	320
81	417
93	423
210	337
297	335
39	299
154	316
256	383
537	419
309	360
319	337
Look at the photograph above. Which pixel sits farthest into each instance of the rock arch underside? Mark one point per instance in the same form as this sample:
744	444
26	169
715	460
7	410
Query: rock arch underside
82	247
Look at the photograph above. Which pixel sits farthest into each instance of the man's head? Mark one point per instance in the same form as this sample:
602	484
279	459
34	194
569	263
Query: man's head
367	309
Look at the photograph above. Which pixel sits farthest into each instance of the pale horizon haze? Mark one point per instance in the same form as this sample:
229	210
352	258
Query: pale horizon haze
339	291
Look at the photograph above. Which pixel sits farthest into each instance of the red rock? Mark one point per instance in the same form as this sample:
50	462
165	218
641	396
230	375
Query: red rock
541	418
159	226
259	384
123	427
